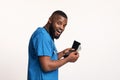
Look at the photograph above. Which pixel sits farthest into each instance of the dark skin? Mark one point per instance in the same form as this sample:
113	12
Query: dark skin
57	23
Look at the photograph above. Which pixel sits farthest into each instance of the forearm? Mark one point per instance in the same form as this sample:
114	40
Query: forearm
49	65
61	54
56	64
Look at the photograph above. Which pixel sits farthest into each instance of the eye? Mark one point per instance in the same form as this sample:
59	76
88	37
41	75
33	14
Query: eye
59	23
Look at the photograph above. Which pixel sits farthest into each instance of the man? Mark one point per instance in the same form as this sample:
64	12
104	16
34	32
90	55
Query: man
44	60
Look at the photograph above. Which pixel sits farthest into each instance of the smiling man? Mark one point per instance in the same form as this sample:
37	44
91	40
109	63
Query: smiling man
44	60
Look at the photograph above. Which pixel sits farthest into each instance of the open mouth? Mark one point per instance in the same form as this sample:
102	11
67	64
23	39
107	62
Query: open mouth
59	31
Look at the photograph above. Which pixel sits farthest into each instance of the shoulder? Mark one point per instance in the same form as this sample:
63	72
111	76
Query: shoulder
42	34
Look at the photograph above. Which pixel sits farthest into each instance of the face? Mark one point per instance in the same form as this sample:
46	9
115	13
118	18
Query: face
58	24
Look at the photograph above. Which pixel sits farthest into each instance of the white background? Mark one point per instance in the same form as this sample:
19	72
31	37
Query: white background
95	23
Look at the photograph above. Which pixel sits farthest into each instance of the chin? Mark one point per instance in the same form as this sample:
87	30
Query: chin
57	37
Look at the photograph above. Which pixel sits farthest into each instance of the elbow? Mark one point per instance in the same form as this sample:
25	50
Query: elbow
46	64
46	68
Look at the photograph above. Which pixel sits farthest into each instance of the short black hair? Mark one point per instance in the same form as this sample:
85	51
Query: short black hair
59	12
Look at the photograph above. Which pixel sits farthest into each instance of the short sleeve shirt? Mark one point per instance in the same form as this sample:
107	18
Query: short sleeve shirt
41	44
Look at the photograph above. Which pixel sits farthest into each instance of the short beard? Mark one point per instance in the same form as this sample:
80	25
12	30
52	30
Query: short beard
52	32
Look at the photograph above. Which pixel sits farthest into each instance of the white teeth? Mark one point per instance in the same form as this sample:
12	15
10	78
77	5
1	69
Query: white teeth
59	31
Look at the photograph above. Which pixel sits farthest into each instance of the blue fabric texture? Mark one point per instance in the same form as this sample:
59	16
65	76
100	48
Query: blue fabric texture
41	44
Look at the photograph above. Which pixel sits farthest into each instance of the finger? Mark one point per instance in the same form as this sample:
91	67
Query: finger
72	49
68	48
75	52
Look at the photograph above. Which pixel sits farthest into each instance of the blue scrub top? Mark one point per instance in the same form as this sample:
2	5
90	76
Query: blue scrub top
41	44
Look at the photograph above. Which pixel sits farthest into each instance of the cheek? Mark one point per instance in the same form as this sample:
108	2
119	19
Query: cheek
55	26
